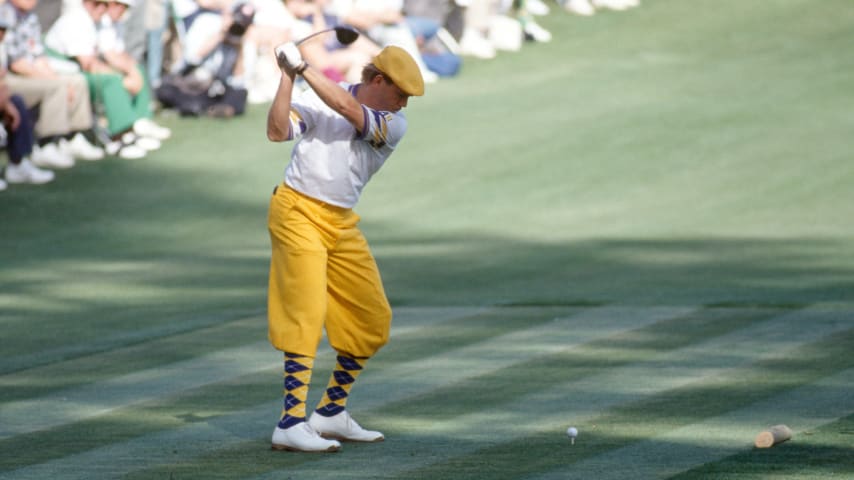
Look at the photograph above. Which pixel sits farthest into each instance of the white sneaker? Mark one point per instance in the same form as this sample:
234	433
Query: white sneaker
302	438
505	33
2	185
537	33
429	76
145	127
579	7
50	156
616	5
26	172
146	143
537	7
476	45
129	152
79	147
343	427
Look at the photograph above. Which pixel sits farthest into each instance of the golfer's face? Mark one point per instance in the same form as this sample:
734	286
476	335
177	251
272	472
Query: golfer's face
393	97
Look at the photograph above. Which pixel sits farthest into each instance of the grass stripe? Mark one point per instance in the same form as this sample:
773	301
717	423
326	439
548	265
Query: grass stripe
409	322
373	391
125	338
804	408
504	386
104	396
821	453
237	433
417	379
78	372
95	398
459	441
489	443
618	424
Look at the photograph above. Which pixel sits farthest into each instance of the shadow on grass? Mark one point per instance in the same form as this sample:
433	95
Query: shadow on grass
717	272
825	459
144	248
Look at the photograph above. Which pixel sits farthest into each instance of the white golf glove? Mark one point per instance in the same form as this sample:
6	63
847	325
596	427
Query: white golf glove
289	58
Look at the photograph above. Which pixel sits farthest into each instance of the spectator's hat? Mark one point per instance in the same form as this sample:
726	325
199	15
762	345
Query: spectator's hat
395	63
129	3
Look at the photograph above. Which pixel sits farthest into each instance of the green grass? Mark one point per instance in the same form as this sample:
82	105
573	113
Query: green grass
642	229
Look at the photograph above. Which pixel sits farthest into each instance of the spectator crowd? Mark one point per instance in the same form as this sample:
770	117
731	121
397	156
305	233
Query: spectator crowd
83	83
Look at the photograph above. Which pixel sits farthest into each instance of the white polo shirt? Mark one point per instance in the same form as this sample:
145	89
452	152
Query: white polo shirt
110	36
331	161
73	34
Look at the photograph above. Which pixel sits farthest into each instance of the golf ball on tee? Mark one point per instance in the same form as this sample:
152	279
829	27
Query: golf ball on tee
572	432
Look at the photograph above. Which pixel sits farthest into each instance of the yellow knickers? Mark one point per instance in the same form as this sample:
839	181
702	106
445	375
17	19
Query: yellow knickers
322	273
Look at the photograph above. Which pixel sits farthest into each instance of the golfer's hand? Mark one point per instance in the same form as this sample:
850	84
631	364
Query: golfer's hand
289	58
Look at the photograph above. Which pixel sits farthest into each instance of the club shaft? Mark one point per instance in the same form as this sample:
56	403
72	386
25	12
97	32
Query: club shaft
303	40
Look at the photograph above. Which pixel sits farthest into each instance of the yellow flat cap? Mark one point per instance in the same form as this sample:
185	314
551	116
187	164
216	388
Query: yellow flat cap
401	68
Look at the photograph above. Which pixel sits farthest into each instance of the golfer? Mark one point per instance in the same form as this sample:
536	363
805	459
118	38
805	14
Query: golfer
322	273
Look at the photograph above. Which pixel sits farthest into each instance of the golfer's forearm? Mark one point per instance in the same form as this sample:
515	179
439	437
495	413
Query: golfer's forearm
279	116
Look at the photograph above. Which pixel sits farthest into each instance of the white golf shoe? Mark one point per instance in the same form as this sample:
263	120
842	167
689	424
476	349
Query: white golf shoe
343	427
302	438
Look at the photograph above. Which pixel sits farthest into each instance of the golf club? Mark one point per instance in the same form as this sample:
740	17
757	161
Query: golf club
345	35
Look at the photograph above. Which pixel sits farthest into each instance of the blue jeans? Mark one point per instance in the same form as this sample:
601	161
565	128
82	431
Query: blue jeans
22	139
423	27
443	63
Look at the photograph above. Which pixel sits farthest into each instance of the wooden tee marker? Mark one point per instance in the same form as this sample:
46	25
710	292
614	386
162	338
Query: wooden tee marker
772	436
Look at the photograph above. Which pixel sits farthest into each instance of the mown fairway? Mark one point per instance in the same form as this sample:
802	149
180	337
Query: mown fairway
642	229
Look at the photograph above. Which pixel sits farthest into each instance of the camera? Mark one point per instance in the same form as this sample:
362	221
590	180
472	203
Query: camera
242	17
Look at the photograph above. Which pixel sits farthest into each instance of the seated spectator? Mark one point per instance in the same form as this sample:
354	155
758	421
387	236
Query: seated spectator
16	129
426	20
492	25
384	23
273	25
111	47
63	100
209	79
155	23
119	88
476	38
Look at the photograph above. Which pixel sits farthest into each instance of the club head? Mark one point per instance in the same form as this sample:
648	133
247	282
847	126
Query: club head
346	35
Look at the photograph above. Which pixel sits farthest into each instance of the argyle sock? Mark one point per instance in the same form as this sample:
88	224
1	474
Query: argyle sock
335	398
297	379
